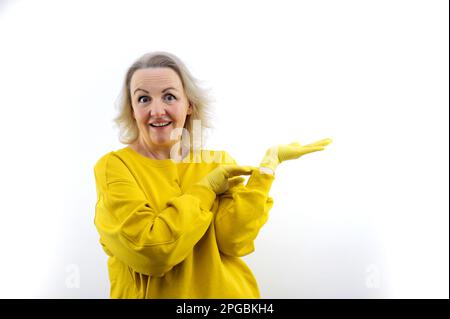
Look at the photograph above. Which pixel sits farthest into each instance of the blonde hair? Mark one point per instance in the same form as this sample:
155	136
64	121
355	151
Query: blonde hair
197	96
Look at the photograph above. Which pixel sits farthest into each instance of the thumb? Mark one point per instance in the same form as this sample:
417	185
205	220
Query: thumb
234	181
323	142
295	143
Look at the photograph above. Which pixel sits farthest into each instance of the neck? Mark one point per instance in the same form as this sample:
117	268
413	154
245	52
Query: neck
158	153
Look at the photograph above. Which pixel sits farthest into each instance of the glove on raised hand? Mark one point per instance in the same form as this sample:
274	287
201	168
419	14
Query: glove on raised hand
283	152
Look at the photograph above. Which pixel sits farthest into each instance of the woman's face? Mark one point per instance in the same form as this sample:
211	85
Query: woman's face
159	105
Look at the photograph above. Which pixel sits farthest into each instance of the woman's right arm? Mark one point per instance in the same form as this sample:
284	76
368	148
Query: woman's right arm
148	240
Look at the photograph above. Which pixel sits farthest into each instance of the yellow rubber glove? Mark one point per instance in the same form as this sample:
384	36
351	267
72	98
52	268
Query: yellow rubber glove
234	181
280	153
223	177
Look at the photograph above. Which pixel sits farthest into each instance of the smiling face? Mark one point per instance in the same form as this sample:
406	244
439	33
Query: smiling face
159	106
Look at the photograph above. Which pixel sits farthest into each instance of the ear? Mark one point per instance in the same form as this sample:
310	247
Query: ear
189	110
132	112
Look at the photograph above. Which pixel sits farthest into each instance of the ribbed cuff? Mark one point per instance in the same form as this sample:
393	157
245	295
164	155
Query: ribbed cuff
204	194
266	170
260	181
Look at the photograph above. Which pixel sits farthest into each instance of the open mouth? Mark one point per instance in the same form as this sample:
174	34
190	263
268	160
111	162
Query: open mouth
163	124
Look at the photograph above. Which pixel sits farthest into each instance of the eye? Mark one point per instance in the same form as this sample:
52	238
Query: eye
171	95
143	99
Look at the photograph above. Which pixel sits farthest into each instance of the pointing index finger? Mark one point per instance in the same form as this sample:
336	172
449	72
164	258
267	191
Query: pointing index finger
235	170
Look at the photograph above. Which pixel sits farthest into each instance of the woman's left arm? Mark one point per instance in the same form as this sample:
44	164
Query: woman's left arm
243	210
241	213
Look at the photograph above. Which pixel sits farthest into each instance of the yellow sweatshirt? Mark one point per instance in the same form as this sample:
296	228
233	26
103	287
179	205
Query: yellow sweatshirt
168	237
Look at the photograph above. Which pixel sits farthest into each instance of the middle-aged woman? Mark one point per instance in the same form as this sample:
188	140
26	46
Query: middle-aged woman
175	219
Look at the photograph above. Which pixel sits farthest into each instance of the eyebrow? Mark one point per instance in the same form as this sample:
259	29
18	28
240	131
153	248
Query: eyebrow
149	92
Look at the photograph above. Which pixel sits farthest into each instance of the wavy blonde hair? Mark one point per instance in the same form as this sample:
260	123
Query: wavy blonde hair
197	96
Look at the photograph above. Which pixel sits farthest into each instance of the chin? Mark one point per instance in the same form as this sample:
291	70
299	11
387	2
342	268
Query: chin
163	143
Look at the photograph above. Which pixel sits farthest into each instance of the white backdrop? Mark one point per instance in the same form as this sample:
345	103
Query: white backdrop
366	218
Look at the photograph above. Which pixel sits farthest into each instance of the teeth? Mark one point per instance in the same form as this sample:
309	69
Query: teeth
160	124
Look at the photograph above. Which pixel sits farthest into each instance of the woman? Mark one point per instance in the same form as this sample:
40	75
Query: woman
175	220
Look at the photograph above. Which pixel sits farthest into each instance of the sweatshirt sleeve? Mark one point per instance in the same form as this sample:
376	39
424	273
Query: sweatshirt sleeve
150	241
241	213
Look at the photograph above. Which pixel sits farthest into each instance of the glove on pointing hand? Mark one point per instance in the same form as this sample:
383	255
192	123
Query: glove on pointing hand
223	177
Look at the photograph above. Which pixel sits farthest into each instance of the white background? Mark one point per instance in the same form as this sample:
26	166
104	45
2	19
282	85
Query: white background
366	218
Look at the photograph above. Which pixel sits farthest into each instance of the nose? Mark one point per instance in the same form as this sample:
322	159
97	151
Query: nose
157	110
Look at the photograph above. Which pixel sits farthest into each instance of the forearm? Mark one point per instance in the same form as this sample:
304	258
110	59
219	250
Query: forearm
152	241
241	215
